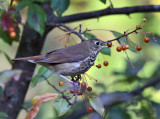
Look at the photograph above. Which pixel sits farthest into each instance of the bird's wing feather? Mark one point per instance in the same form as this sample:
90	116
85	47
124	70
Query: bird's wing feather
62	56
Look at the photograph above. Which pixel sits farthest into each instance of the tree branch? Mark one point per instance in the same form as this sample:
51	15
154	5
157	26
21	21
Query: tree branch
108	11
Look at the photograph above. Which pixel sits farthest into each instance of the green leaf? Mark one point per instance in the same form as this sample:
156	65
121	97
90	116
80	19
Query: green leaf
90	36
60	6
4	5
36	18
3	115
43	73
23	4
97	104
61	106
103	1
132	45
106	51
8	74
7	57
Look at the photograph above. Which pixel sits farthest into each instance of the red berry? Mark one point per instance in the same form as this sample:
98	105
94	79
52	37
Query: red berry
89	88
139	48
146	39
11	29
109	44
61	83
12	34
72	91
83	85
127	46
138	27
89	109
124	47
105	63
119	49
79	92
98	66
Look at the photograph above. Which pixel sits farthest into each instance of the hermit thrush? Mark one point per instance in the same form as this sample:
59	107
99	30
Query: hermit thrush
70	61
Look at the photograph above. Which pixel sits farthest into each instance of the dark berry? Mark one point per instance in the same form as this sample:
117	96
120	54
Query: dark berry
83	85
139	48
109	44
119	49
146	39
72	91
105	63
89	88
98	66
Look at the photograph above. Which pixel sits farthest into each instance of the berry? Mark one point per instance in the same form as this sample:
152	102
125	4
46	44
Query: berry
72	91
83	85
61	83
109	44
105	63
124	47
12	34
119	49
89	88
127	46
11	29
139	48
98	66
146	39
144	19
138	27
79	92
89	109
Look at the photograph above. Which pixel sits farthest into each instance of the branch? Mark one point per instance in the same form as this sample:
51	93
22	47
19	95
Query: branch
108	11
71	31
116	98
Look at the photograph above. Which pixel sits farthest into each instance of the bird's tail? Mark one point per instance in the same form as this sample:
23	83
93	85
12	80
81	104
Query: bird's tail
30	59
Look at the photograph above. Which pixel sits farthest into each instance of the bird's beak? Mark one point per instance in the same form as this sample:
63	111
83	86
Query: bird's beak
103	45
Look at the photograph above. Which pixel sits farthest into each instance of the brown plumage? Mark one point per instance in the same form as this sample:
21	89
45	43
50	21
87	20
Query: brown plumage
69	61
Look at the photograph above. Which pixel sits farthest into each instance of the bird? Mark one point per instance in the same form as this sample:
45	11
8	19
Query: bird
70	61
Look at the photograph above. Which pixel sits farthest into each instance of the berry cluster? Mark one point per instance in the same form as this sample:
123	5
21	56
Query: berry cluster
11	31
80	92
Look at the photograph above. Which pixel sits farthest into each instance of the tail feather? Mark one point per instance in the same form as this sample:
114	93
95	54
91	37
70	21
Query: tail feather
30	59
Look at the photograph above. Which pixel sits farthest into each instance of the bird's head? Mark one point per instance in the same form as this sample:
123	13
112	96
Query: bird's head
95	44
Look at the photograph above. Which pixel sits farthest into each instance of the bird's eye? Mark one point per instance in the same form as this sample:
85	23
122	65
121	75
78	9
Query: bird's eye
97	43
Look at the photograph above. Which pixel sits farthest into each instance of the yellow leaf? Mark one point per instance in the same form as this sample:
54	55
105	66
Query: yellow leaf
38	100
45	97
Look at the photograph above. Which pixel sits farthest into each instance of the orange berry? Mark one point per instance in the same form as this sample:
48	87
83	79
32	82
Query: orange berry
127	46
146	39
119	49
124	47
139	48
109	44
61	83
89	109
144	19
138	27
12	34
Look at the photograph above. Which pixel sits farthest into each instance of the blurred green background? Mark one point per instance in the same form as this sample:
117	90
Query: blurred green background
146	63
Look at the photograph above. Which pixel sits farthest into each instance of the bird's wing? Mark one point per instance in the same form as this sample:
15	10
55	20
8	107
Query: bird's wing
66	55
